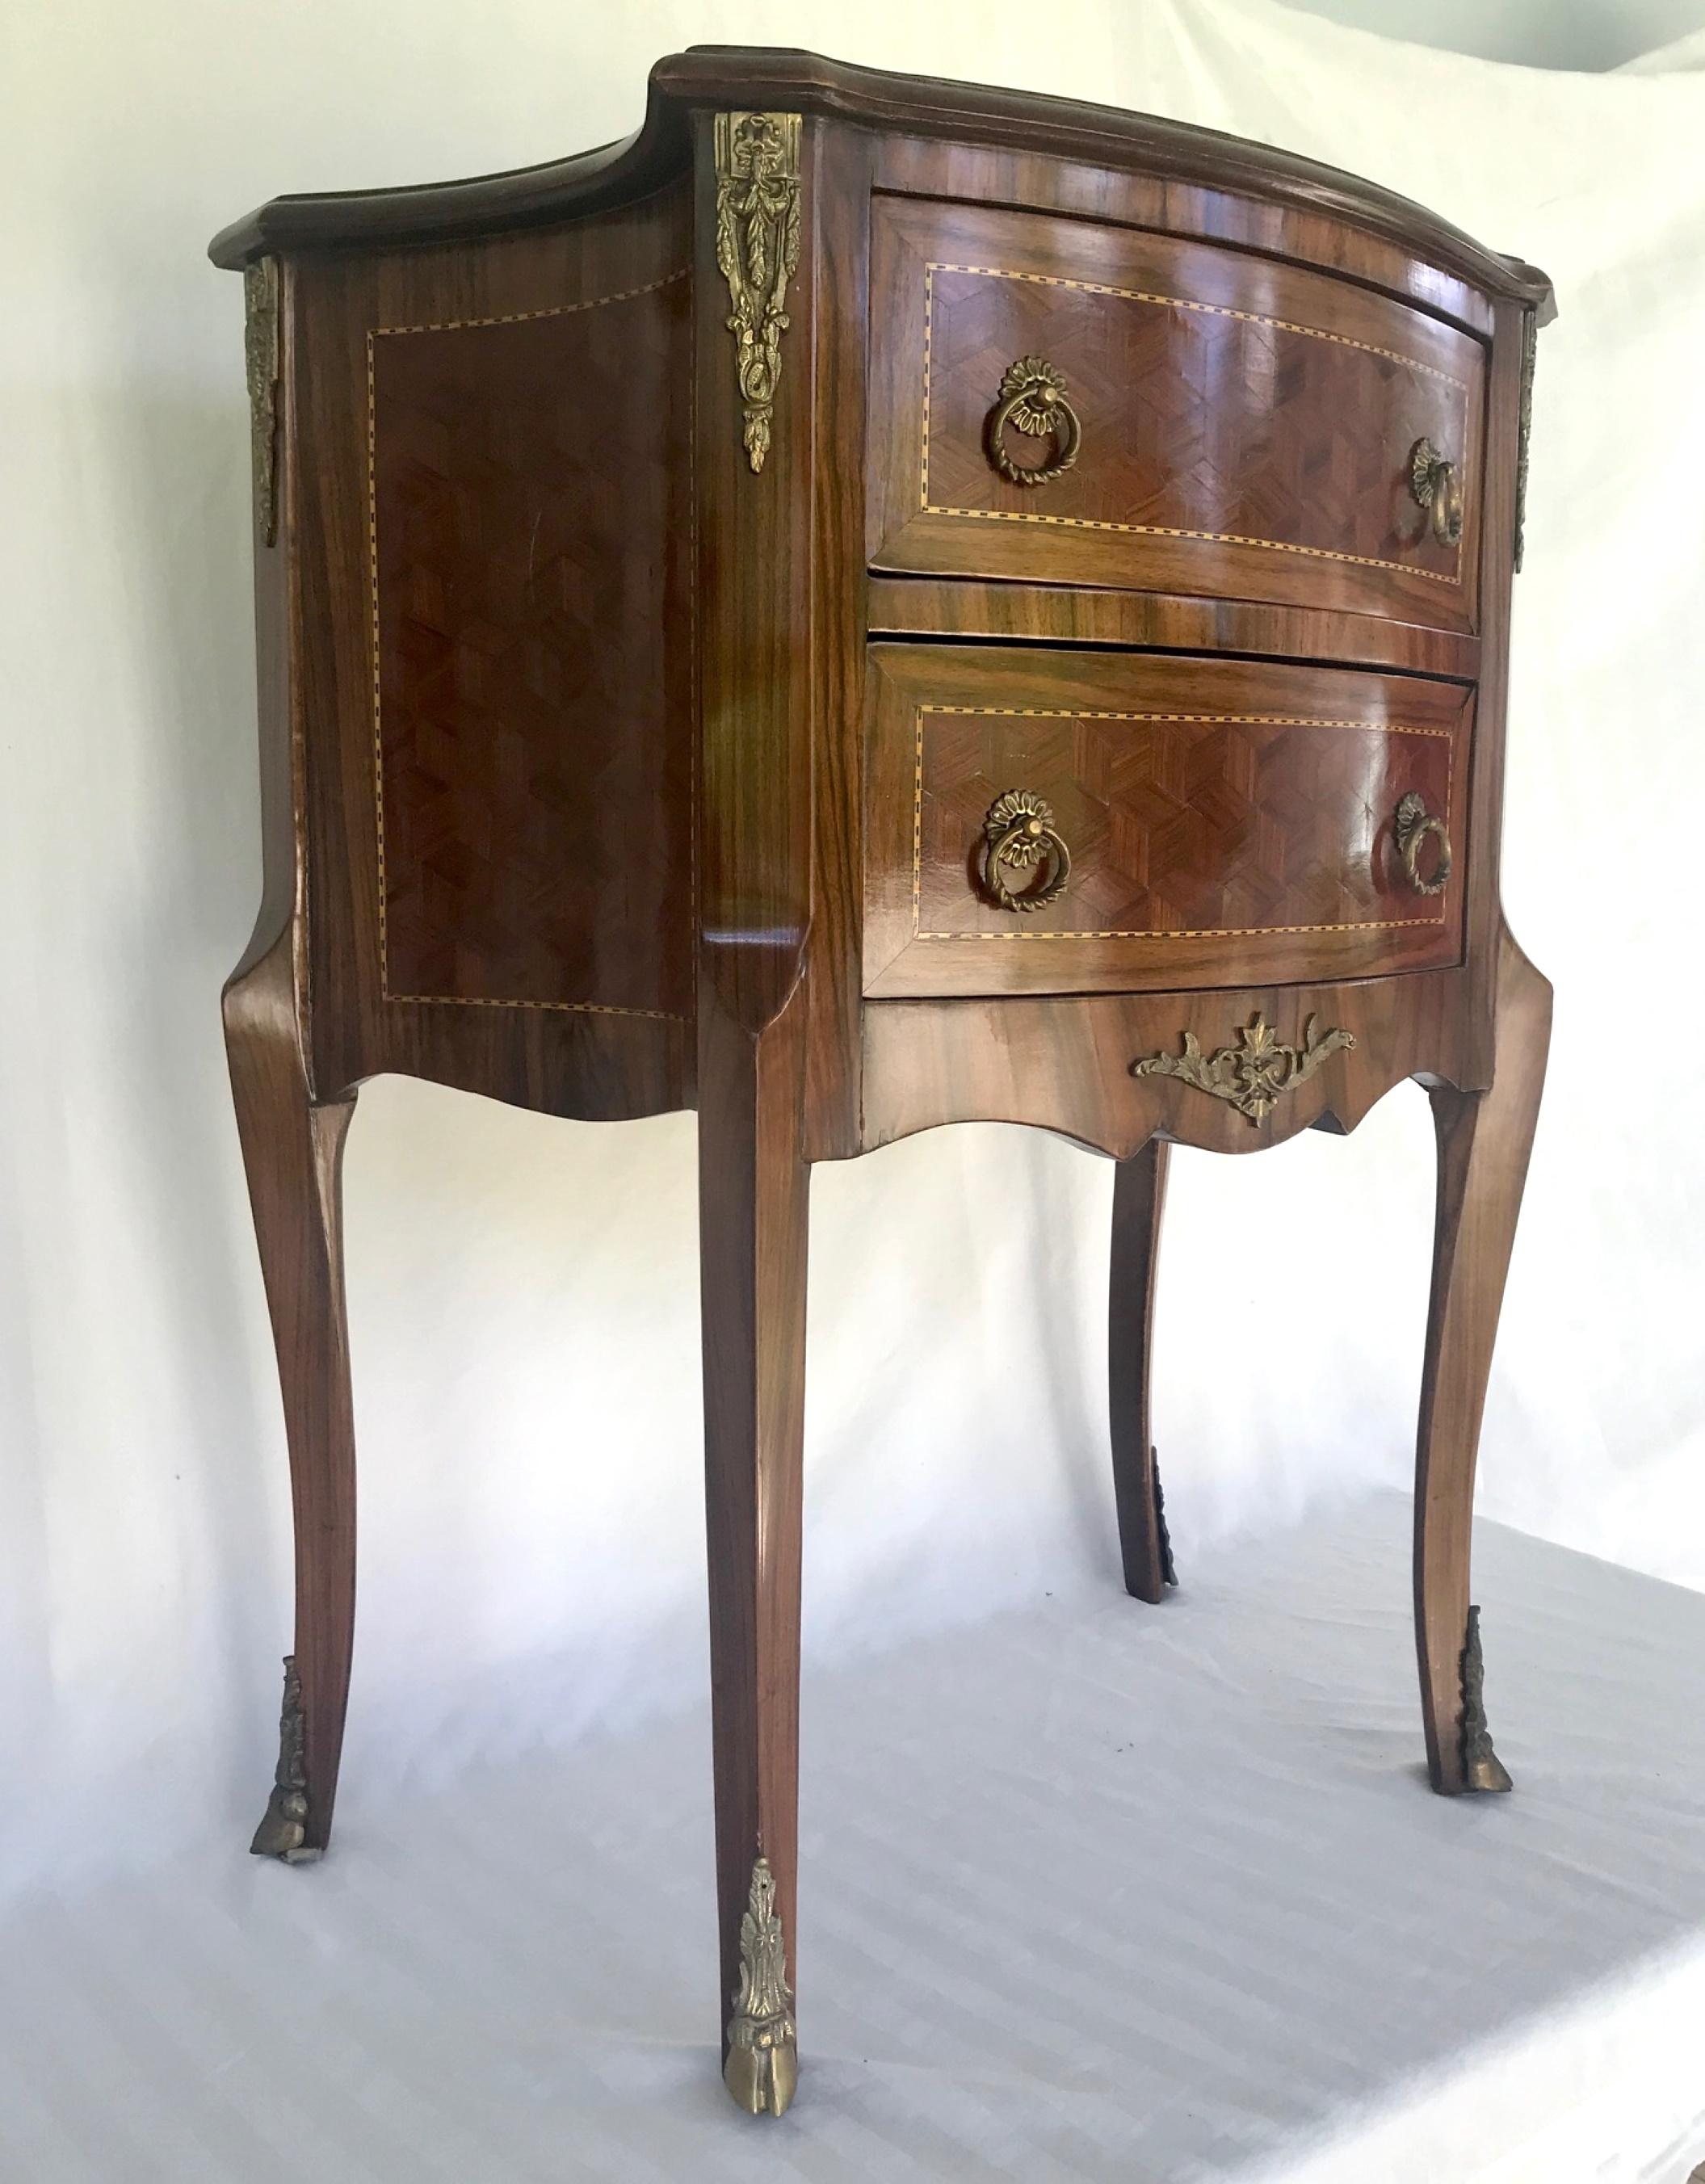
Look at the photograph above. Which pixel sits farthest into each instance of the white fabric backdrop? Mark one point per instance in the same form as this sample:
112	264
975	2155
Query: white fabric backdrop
523	1292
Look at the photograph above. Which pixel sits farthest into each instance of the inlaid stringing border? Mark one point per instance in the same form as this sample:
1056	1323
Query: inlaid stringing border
1215	719
927	507
457	326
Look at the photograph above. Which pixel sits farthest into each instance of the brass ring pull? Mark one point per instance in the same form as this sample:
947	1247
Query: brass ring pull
1436	487
1033	401
1019	834
1412	824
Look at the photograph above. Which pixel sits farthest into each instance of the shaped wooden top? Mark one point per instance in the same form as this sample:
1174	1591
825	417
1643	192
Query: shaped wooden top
786	80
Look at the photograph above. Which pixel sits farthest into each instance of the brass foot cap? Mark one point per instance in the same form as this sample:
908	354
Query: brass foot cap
762	2079
282	1833
1487	1773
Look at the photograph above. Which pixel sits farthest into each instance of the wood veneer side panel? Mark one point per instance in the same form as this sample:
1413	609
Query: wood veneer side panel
562	1059
530	513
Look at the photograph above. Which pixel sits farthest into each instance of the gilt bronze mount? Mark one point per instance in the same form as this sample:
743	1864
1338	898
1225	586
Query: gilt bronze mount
1256	1073
1482	1769
283	1830
1436	487
758	253
1163	1538
261	360
1019	834
762	2067
1033	400
1410	825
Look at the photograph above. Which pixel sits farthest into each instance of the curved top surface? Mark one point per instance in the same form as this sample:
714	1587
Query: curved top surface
787	79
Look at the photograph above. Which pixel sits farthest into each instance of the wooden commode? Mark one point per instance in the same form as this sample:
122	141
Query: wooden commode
878	603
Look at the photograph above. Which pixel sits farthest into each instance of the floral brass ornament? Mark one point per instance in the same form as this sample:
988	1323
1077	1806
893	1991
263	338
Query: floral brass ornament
260	363
1433	480
1033	401
757	157
1256	1073
1482	1769
1019	835
1412	824
763	2064
283	1832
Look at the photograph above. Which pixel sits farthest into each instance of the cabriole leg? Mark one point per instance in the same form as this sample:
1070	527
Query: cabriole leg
1484	1140
1139	1185
753	1195
292	1151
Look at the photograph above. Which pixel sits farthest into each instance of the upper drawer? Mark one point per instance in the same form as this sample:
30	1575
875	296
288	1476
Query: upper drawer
1234	426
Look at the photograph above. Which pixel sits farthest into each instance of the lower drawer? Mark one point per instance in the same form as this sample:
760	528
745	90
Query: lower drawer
1084	822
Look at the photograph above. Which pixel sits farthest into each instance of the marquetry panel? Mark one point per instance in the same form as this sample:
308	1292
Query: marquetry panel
531	525
1221	820
1247	427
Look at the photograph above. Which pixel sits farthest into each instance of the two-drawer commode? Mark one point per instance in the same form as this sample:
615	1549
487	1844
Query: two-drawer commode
878	603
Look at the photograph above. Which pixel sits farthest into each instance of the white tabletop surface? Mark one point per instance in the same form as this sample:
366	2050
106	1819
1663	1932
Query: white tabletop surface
1092	1891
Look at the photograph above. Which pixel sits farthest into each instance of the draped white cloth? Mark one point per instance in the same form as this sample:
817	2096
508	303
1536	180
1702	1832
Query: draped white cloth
1092	1892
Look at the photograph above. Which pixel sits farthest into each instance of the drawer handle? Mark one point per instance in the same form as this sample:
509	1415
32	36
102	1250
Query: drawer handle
1434	482
1019	834
1413	825
1033	401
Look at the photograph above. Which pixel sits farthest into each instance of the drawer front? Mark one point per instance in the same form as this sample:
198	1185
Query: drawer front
1224	424
1096	823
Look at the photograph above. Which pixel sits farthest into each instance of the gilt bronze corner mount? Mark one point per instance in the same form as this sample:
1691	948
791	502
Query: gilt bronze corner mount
260	362
757	157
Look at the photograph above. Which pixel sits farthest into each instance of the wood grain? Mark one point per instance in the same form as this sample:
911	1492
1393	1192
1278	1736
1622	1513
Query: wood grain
1247	427
1140	1189
754	1202
1266	193
1226	823
1161	622
495	727
1485	1139
603	775
840	201
1063	1062
293	1151
532	503
782	687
